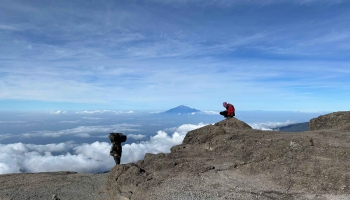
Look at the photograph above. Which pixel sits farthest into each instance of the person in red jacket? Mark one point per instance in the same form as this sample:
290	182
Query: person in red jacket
230	110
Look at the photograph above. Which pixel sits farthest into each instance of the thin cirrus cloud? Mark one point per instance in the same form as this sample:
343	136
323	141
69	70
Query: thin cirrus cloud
93	158
97	37
122	55
243	2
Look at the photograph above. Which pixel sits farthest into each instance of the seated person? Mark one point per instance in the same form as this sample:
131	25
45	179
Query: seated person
230	110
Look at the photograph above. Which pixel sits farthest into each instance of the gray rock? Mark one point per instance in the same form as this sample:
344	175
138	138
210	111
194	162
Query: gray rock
54	197
53	185
336	120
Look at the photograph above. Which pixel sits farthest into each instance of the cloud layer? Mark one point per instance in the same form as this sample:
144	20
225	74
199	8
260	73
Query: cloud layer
92	158
85	131
268	126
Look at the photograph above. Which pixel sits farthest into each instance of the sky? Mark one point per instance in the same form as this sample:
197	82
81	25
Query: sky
276	55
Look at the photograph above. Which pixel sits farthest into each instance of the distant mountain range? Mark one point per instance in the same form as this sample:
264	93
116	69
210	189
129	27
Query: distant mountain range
299	127
181	110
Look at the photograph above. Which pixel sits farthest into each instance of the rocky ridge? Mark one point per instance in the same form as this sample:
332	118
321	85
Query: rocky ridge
336	121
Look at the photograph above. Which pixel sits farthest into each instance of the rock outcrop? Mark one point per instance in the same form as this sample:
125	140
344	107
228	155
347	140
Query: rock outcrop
336	120
230	160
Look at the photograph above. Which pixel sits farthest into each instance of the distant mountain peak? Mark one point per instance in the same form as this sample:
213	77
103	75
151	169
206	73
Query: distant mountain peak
181	109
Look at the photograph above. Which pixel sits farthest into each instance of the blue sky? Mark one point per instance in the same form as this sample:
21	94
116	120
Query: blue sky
290	55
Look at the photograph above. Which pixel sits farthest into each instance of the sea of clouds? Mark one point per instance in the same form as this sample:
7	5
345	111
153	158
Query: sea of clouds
94	157
84	158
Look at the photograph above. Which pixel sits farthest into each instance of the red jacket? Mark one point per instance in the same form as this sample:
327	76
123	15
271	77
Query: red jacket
230	110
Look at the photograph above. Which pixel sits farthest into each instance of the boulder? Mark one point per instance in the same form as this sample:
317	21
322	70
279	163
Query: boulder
233	123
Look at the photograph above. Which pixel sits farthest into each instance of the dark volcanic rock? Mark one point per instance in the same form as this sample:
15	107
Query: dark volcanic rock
229	160
334	120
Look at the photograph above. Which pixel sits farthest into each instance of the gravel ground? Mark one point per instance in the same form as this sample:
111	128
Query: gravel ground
65	185
212	185
221	185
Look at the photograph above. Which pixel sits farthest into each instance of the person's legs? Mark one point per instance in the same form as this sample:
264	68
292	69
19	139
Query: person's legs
117	159
224	113
230	116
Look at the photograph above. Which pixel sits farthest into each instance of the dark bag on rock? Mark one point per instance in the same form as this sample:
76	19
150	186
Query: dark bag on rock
117	137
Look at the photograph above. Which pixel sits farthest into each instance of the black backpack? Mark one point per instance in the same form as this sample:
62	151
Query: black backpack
117	137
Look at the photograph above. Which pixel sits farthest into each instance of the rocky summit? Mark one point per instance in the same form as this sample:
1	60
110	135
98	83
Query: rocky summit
230	160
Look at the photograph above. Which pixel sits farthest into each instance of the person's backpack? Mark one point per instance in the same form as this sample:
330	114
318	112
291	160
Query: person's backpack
234	110
117	137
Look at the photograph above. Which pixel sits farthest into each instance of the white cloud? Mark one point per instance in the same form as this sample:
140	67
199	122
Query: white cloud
20	148
84	131
210	112
19	157
136	137
9	163
5	136
270	125
162	142
69	122
104	111
58	112
92	111
82	135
